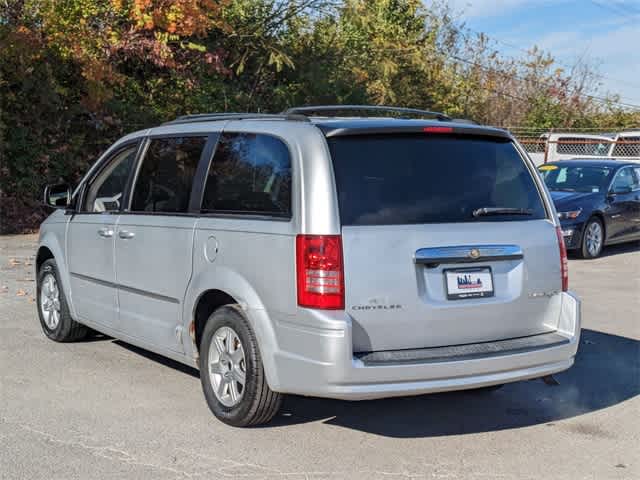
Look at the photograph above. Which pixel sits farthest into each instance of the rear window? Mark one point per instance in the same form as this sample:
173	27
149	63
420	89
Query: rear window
410	179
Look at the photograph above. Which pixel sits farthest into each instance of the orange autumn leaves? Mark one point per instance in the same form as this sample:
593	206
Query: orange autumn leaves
177	17
104	38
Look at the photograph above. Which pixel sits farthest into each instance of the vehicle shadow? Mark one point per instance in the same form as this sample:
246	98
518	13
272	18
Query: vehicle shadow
621	248
167	362
606	372
612	250
95	336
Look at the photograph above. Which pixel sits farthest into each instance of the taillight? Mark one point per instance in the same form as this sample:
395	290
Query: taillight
320	271
564	262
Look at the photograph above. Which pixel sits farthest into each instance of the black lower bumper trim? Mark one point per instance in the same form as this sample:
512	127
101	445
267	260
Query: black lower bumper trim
457	353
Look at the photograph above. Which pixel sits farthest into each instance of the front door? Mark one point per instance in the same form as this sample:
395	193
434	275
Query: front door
154	242
91	240
621	206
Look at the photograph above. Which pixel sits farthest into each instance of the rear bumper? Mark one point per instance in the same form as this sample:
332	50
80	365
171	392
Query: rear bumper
316	359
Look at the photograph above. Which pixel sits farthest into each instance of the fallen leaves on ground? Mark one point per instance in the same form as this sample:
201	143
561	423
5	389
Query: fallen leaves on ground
21	293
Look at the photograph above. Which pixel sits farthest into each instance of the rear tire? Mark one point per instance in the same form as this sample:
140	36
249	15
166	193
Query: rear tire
53	310
232	373
592	239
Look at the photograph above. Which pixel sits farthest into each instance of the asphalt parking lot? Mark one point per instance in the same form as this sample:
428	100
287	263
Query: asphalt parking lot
103	409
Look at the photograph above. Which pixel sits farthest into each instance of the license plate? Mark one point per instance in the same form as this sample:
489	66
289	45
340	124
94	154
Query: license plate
468	283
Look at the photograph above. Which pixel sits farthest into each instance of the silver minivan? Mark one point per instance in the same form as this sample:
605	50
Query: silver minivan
350	257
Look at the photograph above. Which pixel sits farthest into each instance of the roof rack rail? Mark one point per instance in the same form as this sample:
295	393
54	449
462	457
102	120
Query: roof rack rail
324	109
211	117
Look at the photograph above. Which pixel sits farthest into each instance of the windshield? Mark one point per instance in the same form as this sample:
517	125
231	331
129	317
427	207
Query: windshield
412	179
574	178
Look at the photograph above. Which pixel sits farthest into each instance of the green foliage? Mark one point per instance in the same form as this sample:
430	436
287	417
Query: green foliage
77	74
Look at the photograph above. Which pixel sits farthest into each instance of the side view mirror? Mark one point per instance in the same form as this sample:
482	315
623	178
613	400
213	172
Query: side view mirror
57	196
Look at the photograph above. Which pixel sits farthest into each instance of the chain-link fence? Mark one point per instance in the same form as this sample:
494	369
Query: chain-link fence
543	150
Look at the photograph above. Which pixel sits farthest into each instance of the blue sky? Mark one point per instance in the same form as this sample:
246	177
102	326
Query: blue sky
604	32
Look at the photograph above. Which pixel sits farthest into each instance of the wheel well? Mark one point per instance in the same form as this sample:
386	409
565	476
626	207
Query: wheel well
209	301
43	254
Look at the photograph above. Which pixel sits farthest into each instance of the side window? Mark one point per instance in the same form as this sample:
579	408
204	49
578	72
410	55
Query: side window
166	176
624	180
106	190
250	174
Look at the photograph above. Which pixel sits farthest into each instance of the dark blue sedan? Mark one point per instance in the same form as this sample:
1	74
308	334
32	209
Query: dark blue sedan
598	202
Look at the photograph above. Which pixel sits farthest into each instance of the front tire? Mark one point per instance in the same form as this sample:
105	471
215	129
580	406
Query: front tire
231	371
592	239
53	310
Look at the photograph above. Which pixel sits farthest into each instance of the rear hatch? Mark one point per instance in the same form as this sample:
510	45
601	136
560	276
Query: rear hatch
446	241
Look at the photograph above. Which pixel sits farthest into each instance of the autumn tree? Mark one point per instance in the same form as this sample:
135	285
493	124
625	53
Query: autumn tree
77	74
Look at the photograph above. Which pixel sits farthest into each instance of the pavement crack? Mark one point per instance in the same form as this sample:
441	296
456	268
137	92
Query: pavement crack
108	452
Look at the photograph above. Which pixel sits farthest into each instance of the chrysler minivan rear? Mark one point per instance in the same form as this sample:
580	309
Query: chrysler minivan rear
448	271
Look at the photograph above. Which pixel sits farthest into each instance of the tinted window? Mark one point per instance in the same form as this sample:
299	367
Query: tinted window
576	178
408	179
106	191
166	175
250	173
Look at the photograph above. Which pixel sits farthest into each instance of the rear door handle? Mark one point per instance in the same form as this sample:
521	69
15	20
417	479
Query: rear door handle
105	232
126	234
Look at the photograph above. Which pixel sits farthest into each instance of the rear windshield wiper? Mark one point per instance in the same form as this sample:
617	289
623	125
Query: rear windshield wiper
487	211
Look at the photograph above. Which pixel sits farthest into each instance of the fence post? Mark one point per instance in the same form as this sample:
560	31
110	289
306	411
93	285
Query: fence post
546	150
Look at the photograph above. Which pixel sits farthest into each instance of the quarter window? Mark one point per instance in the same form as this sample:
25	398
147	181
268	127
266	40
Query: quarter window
250	174
166	176
106	191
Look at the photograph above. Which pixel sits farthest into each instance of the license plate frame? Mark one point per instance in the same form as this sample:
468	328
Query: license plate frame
457	291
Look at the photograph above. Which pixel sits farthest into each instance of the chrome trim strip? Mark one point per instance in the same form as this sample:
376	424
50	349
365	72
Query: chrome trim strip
434	256
137	291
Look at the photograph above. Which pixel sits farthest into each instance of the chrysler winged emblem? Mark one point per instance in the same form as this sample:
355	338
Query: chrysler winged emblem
474	253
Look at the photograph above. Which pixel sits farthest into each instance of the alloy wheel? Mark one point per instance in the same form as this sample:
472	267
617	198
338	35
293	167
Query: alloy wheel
50	301
227	366
594	238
